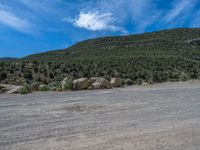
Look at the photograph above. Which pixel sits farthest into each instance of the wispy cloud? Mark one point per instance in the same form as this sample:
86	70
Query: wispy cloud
178	8
96	21
12	20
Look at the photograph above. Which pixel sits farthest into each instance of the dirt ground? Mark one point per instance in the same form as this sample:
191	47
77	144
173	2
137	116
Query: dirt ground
159	117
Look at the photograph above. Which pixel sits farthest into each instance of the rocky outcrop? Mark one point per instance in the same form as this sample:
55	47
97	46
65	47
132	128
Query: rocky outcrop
116	82
99	83
81	84
195	42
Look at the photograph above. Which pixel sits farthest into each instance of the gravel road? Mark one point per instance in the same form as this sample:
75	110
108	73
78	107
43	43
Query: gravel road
159	117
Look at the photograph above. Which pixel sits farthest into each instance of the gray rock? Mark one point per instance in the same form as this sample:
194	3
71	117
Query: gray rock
116	82
195	42
35	86
128	82
81	84
9	89
54	86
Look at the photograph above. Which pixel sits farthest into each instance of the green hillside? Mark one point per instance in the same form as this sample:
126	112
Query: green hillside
169	55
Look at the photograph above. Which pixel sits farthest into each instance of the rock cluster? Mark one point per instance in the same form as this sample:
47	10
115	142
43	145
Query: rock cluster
67	84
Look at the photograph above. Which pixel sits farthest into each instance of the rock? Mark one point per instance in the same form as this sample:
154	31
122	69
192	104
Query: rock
2	89
35	86
128	82
43	87
94	79
54	86
9	89
67	84
81	84
145	84
24	89
99	83
116	82
195	42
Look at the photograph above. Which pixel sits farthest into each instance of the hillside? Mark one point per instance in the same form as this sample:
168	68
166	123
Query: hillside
169	55
8	59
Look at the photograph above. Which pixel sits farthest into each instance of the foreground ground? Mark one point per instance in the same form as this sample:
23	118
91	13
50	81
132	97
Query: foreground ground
159	117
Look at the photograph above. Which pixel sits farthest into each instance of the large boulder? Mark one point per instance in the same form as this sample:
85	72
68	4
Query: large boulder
81	84
9	89
116	82
99	83
67	84
128	82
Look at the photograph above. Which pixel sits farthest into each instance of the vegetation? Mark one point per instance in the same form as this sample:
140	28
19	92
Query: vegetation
151	57
24	89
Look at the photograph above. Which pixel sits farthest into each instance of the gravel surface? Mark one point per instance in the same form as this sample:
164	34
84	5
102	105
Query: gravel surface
159	117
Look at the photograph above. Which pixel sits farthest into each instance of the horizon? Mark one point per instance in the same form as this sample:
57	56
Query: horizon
28	27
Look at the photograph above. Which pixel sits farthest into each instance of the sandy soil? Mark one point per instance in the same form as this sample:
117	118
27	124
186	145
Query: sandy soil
160	117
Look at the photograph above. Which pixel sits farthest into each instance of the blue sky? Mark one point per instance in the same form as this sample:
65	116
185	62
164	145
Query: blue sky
32	26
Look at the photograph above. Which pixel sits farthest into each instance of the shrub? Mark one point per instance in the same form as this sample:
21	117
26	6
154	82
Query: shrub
24	89
43	87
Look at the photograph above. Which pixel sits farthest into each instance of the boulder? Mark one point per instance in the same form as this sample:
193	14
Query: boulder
128	82
43	87
2	89
81	84
67	83
9	89
116	82
24	89
35	86
94	79
99	83
195	42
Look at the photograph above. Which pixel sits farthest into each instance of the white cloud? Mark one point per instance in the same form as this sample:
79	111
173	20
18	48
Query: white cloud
95	21
14	21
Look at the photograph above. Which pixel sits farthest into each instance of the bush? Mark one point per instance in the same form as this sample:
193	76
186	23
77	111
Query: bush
24	90
3	75
67	84
28	75
43	87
